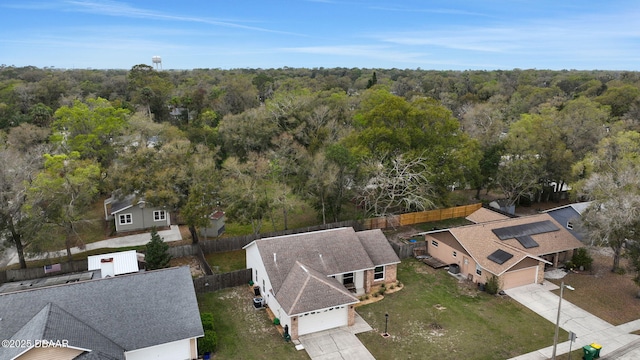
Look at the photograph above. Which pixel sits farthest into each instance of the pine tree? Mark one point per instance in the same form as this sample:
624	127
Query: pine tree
157	255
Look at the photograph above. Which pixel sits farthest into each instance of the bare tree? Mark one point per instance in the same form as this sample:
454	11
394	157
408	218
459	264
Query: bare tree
518	176
401	185
613	217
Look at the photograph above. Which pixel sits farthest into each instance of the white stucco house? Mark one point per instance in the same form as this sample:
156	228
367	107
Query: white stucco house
311	281
139	316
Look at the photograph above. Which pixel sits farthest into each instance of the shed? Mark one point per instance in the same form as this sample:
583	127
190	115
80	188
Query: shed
216	225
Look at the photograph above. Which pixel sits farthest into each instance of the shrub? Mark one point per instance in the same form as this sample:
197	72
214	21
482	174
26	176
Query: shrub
493	285
157	252
207	321
382	290
582	258
207	343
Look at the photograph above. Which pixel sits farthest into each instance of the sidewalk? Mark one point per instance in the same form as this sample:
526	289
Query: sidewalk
587	327
173	234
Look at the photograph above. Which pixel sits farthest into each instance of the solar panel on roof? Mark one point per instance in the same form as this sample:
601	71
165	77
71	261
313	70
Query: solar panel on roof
500	256
527	242
510	232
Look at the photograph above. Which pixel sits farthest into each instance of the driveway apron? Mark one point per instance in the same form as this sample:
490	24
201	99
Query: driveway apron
337	344
587	327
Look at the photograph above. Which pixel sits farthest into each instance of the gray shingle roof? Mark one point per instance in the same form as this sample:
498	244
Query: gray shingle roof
306	289
123	203
330	252
377	246
122	313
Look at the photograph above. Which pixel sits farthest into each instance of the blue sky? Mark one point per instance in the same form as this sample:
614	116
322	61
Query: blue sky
439	34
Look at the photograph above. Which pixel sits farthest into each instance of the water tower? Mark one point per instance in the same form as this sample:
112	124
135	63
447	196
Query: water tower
157	60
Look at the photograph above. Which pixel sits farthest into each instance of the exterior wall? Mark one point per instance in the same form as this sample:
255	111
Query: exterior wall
259	273
50	354
360	280
351	316
444	253
176	350
293	328
540	279
142	219
368	281
390	273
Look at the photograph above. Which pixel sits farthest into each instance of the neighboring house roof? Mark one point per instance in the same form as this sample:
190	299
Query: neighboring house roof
118	205
124	262
106	315
321	253
523	237
305	289
483	215
577	208
567	214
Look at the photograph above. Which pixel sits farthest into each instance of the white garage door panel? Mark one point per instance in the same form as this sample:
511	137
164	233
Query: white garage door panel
519	277
322	320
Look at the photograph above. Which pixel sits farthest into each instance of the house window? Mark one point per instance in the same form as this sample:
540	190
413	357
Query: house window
455	254
125	219
478	270
159	215
569	225
347	279
378	273
434	243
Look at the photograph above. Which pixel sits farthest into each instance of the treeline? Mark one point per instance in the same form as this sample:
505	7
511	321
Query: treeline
248	140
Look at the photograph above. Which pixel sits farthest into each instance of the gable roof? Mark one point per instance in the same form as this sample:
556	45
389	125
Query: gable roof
300	266
305	289
331	252
480	241
118	205
483	215
107	314
377	247
577	208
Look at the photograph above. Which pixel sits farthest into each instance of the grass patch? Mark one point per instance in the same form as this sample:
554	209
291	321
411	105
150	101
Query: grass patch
434	315
615	301
242	331
227	261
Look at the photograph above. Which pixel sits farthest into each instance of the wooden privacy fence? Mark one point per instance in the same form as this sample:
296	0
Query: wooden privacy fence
438	214
215	282
405	251
238	242
38	272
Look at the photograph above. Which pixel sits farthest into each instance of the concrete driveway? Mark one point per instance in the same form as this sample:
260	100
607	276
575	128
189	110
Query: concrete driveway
337	344
587	327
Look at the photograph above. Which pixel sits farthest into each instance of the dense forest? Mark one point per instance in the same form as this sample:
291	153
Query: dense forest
384	140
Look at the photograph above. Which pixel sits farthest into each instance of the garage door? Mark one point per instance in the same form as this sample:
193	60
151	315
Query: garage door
520	277
322	320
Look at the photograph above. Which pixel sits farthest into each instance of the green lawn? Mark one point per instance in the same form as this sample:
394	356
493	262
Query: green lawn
244	332
433	317
227	261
